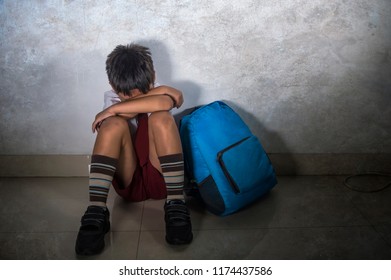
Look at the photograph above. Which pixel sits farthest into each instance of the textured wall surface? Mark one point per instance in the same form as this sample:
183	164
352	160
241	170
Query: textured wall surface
307	76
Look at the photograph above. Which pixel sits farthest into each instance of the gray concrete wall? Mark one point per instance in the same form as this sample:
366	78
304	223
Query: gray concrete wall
307	76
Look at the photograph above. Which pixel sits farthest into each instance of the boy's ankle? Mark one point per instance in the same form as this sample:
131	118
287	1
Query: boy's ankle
98	203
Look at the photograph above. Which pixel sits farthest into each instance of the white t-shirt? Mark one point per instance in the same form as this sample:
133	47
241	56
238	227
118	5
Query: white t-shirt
110	98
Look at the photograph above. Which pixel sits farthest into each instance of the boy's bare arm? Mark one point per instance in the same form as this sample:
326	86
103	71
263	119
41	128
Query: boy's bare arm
174	93
131	107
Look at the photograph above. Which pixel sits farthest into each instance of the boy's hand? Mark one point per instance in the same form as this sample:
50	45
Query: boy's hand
100	117
175	94
178	99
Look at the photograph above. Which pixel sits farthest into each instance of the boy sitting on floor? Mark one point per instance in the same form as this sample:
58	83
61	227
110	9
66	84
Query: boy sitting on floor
141	165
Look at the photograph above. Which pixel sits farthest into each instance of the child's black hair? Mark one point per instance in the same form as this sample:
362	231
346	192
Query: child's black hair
130	67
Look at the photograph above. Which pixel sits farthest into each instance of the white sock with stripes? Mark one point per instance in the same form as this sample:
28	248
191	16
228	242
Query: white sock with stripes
101	176
173	173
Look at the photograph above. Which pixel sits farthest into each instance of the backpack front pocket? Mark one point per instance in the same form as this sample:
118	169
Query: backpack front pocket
244	164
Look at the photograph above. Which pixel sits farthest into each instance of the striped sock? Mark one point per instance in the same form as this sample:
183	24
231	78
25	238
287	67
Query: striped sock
173	173
101	175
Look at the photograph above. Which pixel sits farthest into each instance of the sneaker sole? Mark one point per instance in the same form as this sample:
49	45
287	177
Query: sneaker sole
93	251
176	241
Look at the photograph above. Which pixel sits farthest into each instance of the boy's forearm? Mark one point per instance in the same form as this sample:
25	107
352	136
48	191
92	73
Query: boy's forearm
146	104
159	90
174	93
140	104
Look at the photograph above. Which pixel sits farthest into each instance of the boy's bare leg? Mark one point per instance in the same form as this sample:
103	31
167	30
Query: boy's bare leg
166	155
166	152
163	137
113	142
113	152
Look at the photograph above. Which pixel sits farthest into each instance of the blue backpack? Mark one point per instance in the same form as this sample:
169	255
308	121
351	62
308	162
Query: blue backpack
224	159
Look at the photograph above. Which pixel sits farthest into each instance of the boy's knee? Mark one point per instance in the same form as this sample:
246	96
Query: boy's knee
114	123
161	119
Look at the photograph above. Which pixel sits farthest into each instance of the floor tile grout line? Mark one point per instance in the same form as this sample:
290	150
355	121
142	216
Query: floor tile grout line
382	236
270	228
139	230
372	225
351	202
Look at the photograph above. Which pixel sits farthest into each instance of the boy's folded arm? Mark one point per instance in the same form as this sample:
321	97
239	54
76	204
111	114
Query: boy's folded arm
174	93
145	104
131	107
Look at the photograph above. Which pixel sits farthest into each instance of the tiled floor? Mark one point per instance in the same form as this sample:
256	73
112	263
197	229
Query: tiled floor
307	217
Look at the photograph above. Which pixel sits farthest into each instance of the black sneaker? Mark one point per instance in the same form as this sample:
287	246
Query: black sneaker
95	224
178	223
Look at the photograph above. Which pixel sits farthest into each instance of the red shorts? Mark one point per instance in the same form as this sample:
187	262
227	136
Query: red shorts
147	181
